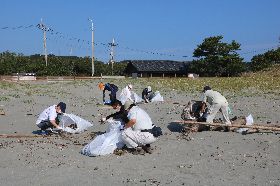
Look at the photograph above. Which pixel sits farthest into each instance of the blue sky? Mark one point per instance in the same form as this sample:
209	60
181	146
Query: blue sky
143	29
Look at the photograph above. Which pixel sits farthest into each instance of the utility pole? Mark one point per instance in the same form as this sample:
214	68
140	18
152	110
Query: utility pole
92	47
45	29
112	54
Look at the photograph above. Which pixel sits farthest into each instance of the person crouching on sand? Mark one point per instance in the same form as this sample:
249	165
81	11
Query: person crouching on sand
137	134
49	118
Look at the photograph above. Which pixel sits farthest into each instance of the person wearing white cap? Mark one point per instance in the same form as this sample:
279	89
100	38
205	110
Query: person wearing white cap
137	134
147	94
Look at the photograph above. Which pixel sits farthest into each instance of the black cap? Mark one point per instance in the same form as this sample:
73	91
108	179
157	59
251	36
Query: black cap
206	88
62	106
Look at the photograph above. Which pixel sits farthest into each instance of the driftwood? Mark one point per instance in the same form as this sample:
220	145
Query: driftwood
255	126
22	136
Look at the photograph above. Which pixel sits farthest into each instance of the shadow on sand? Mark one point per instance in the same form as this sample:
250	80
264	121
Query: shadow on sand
175	127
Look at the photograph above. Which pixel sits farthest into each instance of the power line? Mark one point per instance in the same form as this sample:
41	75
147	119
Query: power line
83	42
79	40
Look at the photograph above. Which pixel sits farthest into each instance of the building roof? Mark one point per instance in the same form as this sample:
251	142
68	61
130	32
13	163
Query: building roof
158	66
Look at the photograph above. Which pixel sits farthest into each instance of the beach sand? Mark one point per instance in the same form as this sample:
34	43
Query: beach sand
204	158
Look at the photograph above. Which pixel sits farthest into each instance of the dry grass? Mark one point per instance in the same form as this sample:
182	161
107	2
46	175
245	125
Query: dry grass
264	82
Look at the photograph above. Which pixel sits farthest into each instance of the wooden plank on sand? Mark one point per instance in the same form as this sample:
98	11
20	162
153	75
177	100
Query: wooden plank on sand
22	136
256	126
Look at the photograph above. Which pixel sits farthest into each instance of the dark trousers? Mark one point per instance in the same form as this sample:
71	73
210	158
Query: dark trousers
43	125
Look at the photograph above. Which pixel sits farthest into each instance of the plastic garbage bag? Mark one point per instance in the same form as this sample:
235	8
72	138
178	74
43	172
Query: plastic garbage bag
157	97
105	143
229	110
249	121
70	119
136	98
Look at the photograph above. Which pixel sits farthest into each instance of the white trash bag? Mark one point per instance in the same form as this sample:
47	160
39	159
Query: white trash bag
105	143
249	121
69	119
157	97
136	98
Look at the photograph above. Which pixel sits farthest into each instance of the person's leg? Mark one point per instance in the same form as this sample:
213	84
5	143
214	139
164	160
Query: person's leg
43	125
224	110
212	112
128	138
133	139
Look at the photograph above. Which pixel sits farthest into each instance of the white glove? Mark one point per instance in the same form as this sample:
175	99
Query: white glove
103	119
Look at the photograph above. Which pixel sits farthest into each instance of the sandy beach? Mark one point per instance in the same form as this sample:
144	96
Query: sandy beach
204	158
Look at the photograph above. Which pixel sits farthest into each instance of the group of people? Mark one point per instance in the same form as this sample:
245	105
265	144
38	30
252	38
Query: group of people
147	93
139	132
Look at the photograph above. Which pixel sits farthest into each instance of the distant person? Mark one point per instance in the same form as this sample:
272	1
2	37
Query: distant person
217	103
49	118
147	94
137	134
126	94
113	89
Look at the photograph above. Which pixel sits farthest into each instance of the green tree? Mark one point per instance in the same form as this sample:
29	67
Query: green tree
8	63
57	65
216	58
262	61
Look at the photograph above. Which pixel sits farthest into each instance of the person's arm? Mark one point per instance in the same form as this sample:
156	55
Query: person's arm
130	123
52	117
203	106
113	115
104	95
54	123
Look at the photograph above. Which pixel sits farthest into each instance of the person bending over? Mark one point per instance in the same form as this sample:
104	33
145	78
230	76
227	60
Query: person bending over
50	117
217	103
147	94
113	89
137	134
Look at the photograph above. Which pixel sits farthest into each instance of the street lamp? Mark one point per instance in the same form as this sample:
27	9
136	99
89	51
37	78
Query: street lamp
92	44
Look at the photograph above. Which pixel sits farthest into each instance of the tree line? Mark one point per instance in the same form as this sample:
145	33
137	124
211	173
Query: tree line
56	66
213	58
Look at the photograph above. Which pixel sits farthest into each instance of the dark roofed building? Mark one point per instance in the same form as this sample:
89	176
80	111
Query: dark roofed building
156	68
